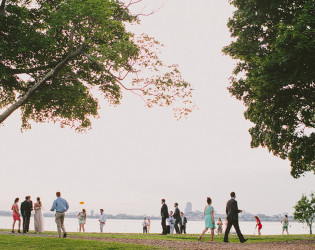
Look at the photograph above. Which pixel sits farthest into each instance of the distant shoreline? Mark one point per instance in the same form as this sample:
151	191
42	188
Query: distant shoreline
9	214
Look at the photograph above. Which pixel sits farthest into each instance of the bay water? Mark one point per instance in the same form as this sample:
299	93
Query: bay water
135	226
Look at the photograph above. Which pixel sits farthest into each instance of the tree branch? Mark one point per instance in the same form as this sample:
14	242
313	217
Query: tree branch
27	71
52	73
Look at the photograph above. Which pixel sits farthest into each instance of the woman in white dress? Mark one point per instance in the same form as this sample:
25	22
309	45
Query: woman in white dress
38	217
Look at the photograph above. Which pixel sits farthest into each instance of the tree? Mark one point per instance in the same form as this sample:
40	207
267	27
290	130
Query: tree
275	76
305	210
56	54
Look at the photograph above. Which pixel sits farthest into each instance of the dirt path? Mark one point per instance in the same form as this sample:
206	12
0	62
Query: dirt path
289	245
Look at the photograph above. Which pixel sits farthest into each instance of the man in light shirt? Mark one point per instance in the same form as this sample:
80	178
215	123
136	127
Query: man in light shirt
102	220
61	206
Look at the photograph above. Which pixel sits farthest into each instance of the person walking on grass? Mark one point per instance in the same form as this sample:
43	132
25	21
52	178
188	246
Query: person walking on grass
16	214
285	224
209	219
61	206
232	212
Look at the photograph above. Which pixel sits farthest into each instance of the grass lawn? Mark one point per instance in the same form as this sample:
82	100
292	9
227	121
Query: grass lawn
36	242
188	237
194	237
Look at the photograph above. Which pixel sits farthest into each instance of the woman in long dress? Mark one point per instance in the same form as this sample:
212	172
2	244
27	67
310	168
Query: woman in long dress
149	225
38	217
209	219
82	220
16	214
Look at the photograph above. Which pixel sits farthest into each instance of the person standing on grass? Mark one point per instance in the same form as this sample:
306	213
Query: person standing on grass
258	224
38	217
16	214
177	218
148	225
232	216
220	226
61	206
209	219
285	224
102	220
82	220
164	215
183	222
144	226
26	209
171	222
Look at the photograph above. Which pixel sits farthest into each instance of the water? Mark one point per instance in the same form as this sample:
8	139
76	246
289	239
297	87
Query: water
135	226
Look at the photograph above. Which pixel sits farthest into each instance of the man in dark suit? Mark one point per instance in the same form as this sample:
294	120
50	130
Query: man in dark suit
232	217
26	209
177	218
164	214
183	222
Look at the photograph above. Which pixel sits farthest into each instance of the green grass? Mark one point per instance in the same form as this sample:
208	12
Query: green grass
190	237
36	242
194	237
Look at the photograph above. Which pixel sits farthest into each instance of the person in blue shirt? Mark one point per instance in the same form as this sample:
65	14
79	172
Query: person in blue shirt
60	206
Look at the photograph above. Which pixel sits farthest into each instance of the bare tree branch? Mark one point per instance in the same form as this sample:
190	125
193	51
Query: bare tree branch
132	2
51	74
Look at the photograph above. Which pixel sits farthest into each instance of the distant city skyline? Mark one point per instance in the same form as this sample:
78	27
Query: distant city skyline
134	156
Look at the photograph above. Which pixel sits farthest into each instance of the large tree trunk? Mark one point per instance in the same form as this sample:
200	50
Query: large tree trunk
52	73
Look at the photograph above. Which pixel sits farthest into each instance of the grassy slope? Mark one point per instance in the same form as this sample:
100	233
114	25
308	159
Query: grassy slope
23	242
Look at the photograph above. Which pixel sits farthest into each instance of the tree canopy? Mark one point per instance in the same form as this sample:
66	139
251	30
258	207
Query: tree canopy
274	45
55	54
305	210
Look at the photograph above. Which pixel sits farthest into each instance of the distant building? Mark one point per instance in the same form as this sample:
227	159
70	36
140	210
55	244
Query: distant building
92	213
188	208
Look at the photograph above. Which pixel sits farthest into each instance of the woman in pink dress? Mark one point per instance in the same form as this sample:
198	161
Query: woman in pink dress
16	214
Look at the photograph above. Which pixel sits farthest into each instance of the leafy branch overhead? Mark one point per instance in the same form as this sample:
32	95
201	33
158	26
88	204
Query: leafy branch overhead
56	54
275	76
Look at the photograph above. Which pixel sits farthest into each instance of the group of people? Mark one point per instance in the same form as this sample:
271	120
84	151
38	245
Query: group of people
232	212
146	225
171	221
60	206
26	208
82	220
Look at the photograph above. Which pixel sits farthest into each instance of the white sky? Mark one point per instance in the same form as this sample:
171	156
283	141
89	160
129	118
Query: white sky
134	156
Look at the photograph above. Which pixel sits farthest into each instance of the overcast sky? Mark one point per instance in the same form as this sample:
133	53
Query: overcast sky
134	156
